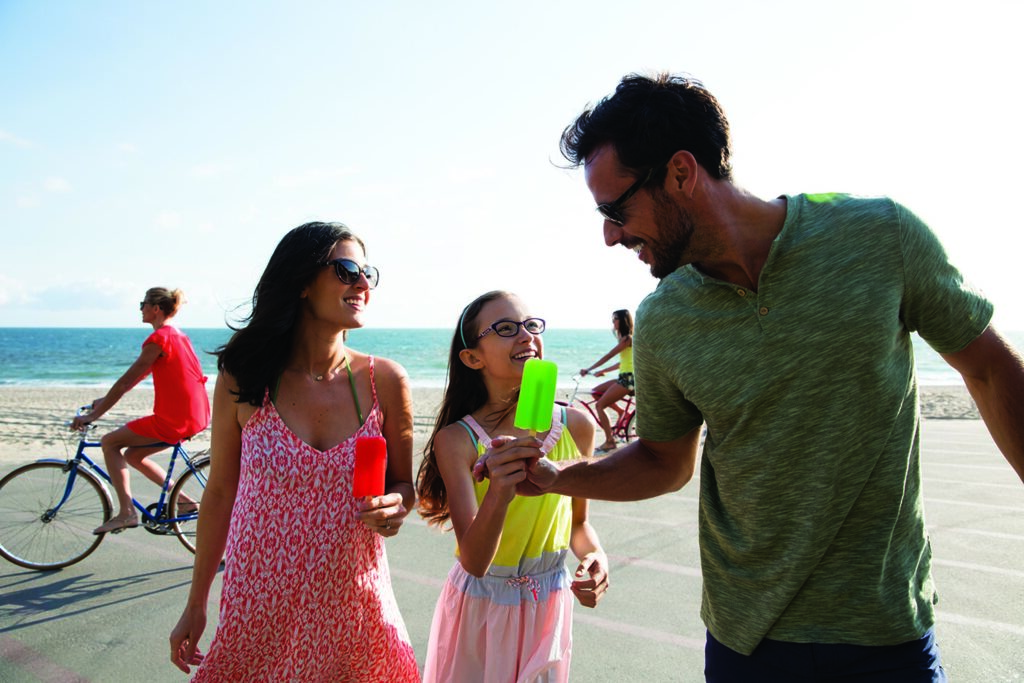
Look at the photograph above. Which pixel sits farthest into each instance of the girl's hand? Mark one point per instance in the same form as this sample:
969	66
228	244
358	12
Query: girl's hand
185	638
383	514
584	372
505	464
504	450
541	473
591	579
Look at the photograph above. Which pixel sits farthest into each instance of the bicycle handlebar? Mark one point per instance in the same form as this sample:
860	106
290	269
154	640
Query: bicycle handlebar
576	379
85	429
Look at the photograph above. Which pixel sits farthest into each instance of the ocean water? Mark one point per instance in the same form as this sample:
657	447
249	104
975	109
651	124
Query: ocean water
61	357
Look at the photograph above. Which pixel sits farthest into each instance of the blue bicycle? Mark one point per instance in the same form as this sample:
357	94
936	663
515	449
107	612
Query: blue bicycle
49	508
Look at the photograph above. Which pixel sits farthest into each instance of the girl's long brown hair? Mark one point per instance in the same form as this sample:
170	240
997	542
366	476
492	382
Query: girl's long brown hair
464	392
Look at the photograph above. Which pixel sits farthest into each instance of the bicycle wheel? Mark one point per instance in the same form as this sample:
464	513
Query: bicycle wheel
34	533
190	485
631	426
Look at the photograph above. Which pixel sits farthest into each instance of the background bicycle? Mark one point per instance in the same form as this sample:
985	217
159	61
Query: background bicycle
49	508
624	426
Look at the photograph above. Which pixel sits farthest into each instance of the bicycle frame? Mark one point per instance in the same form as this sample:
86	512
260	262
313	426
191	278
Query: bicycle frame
621	426
51	506
157	517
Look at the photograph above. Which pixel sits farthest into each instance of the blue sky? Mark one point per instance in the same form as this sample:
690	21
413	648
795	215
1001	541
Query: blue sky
173	144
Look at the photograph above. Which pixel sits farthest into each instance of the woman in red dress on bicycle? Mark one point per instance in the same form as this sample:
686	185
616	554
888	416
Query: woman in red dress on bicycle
181	406
610	392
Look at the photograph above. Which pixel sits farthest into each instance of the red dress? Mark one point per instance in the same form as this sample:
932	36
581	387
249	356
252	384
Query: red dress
181	406
307	591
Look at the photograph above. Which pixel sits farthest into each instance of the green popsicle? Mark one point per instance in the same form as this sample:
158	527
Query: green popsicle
537	396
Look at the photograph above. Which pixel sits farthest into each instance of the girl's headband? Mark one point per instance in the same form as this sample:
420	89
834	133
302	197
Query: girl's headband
462	319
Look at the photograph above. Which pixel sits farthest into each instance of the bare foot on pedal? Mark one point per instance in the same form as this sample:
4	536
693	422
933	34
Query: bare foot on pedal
117	524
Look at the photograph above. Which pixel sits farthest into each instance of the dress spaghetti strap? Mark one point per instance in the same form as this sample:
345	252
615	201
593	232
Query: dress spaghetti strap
557	422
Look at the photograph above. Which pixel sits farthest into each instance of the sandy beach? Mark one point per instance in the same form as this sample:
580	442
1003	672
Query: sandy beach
32	419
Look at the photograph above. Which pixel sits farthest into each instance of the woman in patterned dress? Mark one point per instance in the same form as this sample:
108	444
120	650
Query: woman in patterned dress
307	591
505	612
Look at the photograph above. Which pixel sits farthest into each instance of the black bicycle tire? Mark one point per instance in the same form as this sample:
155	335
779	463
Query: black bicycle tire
631	425
185	531
8	518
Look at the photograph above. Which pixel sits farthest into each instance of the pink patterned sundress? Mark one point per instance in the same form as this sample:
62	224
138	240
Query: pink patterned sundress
307	591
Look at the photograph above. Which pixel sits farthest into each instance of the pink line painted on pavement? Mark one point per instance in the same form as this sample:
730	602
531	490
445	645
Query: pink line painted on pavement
36	663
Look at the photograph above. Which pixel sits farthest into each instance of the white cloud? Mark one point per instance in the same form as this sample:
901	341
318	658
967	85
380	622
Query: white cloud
168	219
13	292
211	170
56	184
101	295
12	139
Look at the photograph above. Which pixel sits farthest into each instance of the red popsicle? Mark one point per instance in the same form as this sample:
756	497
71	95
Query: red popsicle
371	462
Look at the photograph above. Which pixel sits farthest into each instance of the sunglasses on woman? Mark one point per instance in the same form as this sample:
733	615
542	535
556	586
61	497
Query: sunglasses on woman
510	328
348	271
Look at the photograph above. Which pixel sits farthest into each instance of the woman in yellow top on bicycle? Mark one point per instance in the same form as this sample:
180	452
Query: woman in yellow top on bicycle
610	392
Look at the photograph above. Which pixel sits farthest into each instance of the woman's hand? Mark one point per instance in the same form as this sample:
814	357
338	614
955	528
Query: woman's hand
383	514
591	579
80	422
185	638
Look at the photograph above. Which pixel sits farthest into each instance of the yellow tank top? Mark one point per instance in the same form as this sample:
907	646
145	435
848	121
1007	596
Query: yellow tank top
534	525
626	360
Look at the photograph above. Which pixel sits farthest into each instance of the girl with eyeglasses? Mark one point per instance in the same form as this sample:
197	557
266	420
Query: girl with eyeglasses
181	406
610	392
307	592
505	612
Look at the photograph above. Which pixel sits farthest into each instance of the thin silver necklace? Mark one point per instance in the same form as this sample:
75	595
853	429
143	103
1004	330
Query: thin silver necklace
320	377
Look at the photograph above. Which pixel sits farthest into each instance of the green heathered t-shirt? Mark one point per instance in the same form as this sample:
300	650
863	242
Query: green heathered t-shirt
811	518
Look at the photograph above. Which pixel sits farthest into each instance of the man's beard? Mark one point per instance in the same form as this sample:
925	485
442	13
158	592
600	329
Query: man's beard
675	230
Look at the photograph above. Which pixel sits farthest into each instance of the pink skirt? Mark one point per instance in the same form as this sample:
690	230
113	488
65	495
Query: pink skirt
503	629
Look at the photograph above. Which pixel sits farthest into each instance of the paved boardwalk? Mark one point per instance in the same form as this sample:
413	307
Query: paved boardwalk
107	618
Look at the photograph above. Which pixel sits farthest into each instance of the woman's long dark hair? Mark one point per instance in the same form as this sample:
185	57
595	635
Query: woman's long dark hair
623	322
257	351
464	393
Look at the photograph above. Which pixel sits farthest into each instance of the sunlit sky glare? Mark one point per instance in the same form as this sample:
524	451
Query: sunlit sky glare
173	144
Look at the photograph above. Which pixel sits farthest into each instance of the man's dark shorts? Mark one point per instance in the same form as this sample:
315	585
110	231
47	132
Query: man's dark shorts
776	662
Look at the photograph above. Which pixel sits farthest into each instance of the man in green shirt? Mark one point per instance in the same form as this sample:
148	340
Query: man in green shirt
785	326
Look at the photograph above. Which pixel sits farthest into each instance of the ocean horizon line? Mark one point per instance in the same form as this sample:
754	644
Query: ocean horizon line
97	356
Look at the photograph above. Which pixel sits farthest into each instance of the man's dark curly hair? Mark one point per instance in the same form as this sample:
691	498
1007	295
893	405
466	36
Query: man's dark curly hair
647	120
